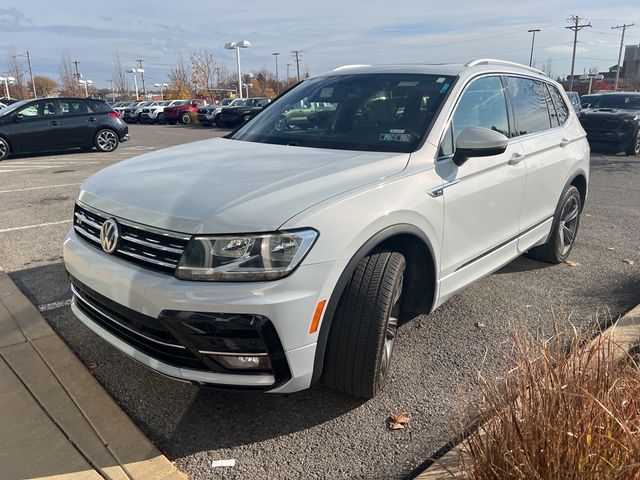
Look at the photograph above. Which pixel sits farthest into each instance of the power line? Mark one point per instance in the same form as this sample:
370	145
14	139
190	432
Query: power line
576	27
622	27
297	55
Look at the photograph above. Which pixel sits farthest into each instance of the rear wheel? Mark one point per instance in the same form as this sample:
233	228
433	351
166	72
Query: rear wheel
4	149
634	146
160	119
563	231
185	119
106	140
364	329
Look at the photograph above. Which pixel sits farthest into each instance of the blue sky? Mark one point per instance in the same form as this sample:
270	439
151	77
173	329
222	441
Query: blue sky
330	32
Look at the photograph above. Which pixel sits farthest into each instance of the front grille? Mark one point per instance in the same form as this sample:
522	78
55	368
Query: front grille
595	123
203	111
158	250
145	110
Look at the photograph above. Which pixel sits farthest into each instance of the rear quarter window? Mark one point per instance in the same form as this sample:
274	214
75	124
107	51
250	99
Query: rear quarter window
530	108
562	110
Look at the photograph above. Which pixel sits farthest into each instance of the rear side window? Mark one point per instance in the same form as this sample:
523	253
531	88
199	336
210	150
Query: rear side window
75	107
562	111
529	105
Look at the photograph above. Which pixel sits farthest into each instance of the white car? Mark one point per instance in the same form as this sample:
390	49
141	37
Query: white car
277	258
155	112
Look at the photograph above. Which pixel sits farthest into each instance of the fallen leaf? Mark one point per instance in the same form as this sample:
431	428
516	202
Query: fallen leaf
611	249
628	261
571	263
528	305
588	215
418	325
92	365
480	324
398	420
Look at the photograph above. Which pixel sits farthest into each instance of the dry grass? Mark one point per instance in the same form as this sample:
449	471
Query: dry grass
559	417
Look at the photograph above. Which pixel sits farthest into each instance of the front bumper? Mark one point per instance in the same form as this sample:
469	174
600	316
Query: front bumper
288	303
614	138
125	138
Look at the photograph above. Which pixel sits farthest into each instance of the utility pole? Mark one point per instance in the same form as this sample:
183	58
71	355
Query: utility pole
624	29
144	90
77	74
533	40
576	27
297	55
33	84
275	54
288	65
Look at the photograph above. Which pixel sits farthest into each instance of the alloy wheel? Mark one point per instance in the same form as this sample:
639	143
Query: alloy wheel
4	149
568	224
391	332
107	140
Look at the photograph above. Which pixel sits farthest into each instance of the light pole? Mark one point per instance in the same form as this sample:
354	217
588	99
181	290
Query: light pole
533	41
135	79
33	84
237	46
7	81
161	86
275	54
86	84
113	93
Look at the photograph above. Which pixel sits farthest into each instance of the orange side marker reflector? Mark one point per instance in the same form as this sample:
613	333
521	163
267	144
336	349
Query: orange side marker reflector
316	317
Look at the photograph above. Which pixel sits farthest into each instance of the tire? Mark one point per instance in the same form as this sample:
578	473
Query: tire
564	230
5	150
160	119
362	336
172	122
215	120
185	119
634	146
281	124
106	140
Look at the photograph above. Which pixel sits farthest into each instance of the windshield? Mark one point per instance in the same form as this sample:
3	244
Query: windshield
374	112
626	102
226	101
14	106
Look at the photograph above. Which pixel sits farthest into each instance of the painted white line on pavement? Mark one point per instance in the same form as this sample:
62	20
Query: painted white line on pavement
40	188
47	307
13	229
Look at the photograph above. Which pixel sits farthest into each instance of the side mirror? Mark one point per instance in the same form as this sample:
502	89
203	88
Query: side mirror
478	142
17	117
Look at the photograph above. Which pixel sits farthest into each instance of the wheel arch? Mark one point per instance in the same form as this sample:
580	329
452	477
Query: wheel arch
418	250
579	180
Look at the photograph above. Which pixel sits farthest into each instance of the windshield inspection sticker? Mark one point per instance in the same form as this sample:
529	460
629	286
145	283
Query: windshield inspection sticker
326	92
395	137
444	88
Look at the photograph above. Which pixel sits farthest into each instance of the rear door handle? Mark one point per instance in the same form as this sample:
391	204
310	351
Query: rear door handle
564	142
516	158
92	119
53	123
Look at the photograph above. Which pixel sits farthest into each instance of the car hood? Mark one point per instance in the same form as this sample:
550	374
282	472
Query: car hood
231	186
609	112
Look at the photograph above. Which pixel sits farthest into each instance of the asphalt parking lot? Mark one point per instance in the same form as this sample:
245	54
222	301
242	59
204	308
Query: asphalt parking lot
318	433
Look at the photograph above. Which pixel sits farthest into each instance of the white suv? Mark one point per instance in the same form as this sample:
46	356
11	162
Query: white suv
276	258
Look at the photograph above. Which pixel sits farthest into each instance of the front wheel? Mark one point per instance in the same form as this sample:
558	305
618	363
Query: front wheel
564	230
363	331
185	119
634	146
106	140
4	149
160	119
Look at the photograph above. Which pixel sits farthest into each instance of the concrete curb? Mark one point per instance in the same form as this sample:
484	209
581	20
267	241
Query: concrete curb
625	333
57	420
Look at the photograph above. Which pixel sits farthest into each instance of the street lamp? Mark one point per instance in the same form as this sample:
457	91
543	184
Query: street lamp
135	79
275	54
7	81
533	41
161	86
86	84
246	87
237	46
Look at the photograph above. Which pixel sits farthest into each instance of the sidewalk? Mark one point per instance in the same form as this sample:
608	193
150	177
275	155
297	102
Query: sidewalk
56	420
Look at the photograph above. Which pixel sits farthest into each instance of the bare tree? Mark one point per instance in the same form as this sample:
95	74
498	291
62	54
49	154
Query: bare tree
120	79
69	85
547	67
203	71
179	80
16	70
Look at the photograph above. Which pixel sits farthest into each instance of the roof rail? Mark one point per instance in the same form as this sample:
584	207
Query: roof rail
344	67
493	61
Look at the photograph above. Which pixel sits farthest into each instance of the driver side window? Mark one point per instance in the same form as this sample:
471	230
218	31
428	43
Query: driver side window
483	104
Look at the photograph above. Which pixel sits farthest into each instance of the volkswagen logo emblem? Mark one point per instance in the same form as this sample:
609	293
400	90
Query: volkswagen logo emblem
109	235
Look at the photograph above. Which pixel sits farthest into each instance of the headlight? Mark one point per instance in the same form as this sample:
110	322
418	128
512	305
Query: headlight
247	258
631	120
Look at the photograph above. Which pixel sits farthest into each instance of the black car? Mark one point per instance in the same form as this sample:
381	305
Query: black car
613	120
231	117
50	124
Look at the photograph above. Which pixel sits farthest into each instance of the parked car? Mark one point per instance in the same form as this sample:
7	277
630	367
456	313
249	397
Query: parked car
60	123
131	114
207	115
586	100
184	113
575	100
5	102
120	108
274	259
613	120
313	114
231	117
155	112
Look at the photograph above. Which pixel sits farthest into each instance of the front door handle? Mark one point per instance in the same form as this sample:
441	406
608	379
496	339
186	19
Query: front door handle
92	119
515	159
564	142
53	123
